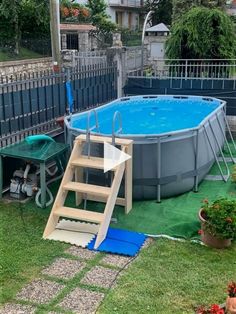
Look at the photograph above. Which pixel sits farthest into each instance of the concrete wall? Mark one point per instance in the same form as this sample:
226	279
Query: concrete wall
25	66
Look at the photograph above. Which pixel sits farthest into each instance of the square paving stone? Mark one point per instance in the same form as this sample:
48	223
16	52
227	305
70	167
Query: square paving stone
116	260
80	252
100	276
11	308
64	268
82	301
40	291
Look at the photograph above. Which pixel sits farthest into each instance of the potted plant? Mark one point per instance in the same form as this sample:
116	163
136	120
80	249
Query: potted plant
218	222
231	299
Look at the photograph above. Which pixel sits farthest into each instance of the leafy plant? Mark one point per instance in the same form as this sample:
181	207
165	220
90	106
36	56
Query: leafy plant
232	289
220	218
202	33
233	175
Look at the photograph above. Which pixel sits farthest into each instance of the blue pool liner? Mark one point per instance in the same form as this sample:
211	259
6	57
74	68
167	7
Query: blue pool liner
121	242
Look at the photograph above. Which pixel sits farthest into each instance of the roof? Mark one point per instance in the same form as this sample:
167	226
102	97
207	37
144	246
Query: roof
77	27
158	28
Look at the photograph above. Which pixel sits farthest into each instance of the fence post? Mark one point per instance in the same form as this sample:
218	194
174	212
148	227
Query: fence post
115	54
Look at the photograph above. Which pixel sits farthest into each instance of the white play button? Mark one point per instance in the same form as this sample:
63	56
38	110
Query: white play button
113	157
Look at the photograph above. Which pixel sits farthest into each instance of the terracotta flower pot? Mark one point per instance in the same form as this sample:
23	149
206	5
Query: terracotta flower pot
60	121
231	305
209	239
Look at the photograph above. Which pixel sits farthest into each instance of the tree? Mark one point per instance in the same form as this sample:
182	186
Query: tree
202	33
182	6
19	17
162	11
99	16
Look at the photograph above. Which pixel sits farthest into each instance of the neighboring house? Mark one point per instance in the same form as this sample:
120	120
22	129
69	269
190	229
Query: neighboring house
76	37
125	13
231	7
155	39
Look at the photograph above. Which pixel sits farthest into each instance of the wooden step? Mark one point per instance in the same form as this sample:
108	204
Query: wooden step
87	188
102	139
92	162
79	214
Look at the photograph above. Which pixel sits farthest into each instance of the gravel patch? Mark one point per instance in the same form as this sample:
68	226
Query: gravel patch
116	260
147	243
11	308
100	276
80	252
40	291
64	268
82	301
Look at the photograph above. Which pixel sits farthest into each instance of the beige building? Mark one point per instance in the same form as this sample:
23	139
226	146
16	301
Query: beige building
125	13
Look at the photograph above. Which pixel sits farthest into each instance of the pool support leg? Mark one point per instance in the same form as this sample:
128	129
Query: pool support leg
159	170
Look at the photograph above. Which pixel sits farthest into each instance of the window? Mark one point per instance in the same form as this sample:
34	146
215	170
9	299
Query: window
72	41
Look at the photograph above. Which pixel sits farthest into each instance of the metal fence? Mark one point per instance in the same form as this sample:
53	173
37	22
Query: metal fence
189	68
31	104
88	58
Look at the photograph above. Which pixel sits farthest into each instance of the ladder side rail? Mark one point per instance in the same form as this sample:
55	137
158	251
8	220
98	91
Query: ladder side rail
102	232
117	115
61	194
129	179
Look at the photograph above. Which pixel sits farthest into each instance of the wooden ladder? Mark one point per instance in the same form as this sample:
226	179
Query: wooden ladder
73	181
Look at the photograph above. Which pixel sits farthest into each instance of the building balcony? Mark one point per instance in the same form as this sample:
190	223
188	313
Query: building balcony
126	3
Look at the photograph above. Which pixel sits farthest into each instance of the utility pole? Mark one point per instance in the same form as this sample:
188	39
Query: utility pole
55	34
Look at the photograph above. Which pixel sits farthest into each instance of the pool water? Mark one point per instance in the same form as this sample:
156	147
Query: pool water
143	115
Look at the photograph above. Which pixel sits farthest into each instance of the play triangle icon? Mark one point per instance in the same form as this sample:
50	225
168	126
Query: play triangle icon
113	157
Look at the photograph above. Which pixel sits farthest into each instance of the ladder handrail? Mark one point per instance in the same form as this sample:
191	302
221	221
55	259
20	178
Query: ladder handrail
116	115
88	133
89	129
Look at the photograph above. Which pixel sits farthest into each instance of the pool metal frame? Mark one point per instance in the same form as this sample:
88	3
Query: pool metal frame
205	125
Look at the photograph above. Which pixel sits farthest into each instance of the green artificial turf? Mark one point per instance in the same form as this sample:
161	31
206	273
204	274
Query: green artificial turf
172	277
175	216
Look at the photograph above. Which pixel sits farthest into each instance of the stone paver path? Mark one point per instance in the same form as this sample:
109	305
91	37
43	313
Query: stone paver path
64	268
71	283
40	291
100	276
80	252
11	308
82	301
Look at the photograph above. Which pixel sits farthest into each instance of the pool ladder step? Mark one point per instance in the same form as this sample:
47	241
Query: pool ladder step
73	181
79	214
92	162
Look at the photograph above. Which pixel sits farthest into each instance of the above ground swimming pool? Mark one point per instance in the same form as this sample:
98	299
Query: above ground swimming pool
176	138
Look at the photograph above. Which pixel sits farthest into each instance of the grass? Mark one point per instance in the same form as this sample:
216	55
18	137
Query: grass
165	278
173	277
24	54
23	252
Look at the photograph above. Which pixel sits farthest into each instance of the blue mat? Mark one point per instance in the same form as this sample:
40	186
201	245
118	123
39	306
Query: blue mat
120	242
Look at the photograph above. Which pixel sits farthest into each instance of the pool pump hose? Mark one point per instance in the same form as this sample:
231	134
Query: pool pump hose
50	201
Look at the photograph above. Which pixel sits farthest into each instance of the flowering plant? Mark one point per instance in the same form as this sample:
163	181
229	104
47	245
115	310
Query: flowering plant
214	309
232	289
220	218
